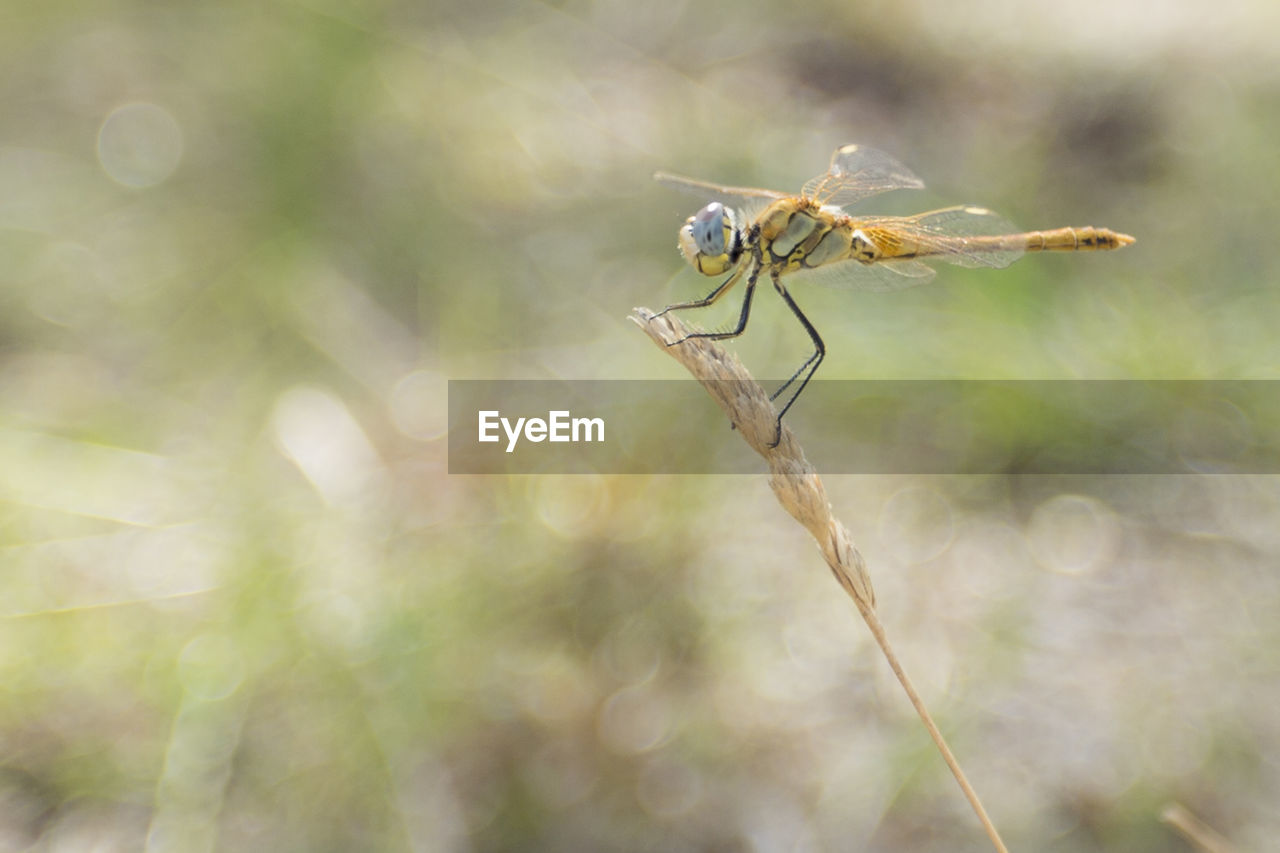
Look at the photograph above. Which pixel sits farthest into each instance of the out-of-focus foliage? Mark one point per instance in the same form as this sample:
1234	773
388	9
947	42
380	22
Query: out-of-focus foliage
243	606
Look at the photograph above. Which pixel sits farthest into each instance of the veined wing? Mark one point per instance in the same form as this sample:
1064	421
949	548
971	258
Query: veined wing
965	235
749	195
858	172
958	235
750	202
883	277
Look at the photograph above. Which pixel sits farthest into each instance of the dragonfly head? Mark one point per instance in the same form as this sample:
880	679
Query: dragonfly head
710	240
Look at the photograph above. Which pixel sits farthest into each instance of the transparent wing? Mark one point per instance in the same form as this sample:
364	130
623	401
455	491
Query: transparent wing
858	172
884	277
748	201
720	192
965	235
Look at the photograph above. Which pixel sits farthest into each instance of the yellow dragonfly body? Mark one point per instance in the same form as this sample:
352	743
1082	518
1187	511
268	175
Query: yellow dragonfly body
810	236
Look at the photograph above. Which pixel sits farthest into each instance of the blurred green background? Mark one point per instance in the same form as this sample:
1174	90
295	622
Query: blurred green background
243	606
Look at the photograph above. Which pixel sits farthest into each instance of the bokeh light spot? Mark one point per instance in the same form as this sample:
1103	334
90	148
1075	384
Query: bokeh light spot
418	405
1072	534
315	430
916	524
634	720
571	506
140	145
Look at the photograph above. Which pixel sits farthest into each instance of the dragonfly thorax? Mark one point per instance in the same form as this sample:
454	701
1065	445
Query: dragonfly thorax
710	240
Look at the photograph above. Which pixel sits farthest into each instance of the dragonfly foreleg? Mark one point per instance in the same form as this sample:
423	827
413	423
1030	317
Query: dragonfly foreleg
715	294
710	298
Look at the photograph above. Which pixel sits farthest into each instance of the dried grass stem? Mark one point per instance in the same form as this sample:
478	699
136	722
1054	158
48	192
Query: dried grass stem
799	489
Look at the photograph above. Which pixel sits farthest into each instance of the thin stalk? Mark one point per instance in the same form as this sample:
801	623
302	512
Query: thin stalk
1196	831
799	489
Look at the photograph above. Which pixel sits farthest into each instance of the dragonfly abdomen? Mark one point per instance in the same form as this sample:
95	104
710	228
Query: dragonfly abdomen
893	244
1086	239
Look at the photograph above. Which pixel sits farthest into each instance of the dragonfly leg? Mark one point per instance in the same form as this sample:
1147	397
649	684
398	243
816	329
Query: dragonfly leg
742	316
810	365
710	298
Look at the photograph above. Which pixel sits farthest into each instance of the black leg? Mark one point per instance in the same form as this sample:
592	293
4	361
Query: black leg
742	316
810	365
709	298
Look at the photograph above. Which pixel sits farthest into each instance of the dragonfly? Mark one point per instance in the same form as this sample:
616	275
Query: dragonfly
749	232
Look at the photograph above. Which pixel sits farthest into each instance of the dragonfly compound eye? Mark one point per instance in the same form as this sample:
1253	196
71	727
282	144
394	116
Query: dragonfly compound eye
706	237
709	229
